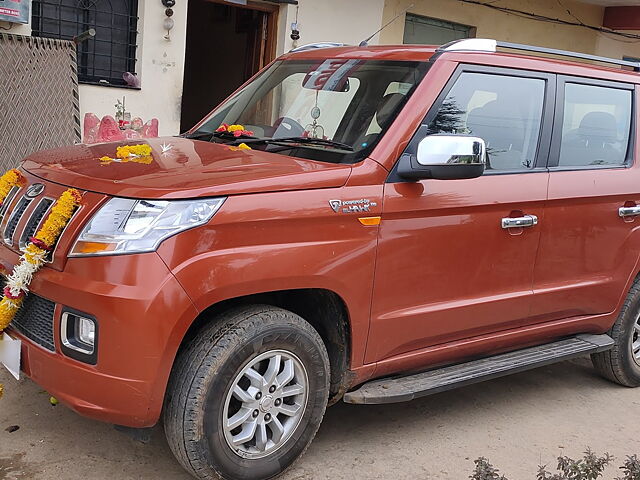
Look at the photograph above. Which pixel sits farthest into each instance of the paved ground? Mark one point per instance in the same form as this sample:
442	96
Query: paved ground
518	422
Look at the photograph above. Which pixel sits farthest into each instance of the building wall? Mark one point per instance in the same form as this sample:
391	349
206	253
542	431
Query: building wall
331	21
160	62
160	67
491	23
612	47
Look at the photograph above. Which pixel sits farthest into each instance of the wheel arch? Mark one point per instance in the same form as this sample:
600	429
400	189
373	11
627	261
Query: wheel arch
324	309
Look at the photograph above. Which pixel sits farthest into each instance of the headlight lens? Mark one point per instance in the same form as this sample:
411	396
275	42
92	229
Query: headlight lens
133	226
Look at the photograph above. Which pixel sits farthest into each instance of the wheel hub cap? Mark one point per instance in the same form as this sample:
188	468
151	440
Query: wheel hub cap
265	404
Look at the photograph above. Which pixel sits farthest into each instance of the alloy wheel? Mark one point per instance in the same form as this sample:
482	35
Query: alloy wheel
265	404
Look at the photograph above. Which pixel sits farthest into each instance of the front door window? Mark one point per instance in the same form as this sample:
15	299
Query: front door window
506	112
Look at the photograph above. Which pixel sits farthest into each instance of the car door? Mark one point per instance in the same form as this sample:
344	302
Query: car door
446	268
589	239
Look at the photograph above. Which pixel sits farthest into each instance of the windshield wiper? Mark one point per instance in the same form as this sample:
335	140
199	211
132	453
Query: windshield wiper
223	135
197	135
302	141
231	136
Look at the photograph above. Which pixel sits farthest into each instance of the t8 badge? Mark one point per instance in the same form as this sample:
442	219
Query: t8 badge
352	206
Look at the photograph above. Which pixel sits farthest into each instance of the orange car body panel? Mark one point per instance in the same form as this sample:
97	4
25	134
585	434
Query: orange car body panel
413	300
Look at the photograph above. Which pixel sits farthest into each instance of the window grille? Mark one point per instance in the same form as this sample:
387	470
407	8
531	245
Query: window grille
101	59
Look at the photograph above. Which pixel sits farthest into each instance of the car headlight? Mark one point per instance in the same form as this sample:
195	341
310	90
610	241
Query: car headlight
134	226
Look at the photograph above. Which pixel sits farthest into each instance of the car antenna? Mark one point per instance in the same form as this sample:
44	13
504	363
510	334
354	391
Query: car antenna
365	43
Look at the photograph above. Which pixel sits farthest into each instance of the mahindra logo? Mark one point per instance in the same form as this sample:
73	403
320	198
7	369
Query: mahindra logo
34	190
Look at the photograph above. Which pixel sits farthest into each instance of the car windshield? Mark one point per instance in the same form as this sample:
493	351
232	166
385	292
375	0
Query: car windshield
331	110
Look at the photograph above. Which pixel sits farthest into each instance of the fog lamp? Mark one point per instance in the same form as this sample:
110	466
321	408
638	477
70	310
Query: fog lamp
78	333
86	331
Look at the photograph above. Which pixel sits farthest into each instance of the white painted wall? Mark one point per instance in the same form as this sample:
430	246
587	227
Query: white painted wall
343	21
160	68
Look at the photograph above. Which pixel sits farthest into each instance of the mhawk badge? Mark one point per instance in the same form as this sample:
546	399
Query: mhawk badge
352	206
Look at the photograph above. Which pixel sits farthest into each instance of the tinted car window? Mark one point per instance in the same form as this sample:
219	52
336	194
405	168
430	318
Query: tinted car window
596	125
506	112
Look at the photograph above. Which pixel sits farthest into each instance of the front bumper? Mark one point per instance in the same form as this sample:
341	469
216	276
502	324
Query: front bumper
142	312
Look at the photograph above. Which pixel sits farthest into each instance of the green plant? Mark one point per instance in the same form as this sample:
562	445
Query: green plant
631	469
590	467
485	471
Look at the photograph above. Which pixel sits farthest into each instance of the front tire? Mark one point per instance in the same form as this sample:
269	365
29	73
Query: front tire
247	395
621	364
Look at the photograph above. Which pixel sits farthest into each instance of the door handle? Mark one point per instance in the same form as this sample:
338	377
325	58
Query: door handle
628	211
518	222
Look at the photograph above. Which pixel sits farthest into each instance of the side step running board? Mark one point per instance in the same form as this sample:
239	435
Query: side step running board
402	389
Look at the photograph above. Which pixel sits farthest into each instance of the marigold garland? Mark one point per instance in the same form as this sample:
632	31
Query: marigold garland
242	146
130	153
235	130
9	180
125	151
35	255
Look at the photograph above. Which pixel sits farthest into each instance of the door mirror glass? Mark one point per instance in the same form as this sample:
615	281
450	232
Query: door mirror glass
451	150
445	157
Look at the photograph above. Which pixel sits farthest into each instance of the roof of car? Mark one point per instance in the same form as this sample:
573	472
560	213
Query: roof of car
373	52
540	58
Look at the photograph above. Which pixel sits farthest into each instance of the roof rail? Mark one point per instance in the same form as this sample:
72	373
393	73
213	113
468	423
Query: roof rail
312	46
488	45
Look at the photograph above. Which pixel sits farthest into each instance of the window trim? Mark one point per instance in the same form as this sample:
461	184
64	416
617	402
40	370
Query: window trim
546	121
558	120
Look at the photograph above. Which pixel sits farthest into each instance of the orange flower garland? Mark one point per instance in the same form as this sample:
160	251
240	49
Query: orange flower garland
9	180
235	130
35	255
242	146
130	153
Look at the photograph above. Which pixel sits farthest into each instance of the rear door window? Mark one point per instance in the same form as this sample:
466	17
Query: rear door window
596	125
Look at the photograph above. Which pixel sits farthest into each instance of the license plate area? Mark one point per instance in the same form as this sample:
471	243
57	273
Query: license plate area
10	349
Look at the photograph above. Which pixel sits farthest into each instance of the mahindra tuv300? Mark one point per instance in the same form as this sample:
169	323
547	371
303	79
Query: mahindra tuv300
371	224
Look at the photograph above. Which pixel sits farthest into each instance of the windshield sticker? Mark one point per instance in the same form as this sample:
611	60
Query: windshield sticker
352	206
331	75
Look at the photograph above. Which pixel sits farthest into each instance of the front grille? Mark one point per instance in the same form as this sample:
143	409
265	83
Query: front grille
34	221
34	320
4	206
14	219
21	216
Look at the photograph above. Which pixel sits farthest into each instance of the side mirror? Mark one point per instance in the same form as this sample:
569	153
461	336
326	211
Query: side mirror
445	157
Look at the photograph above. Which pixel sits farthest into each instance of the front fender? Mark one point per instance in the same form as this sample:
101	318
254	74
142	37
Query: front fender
281	241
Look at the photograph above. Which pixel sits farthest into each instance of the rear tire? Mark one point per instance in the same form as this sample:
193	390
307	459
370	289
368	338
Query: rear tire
621	364
260	367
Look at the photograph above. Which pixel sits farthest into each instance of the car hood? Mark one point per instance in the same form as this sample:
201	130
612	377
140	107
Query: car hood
182	168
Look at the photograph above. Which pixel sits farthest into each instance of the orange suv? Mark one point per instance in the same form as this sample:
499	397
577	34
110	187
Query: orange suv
371	224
